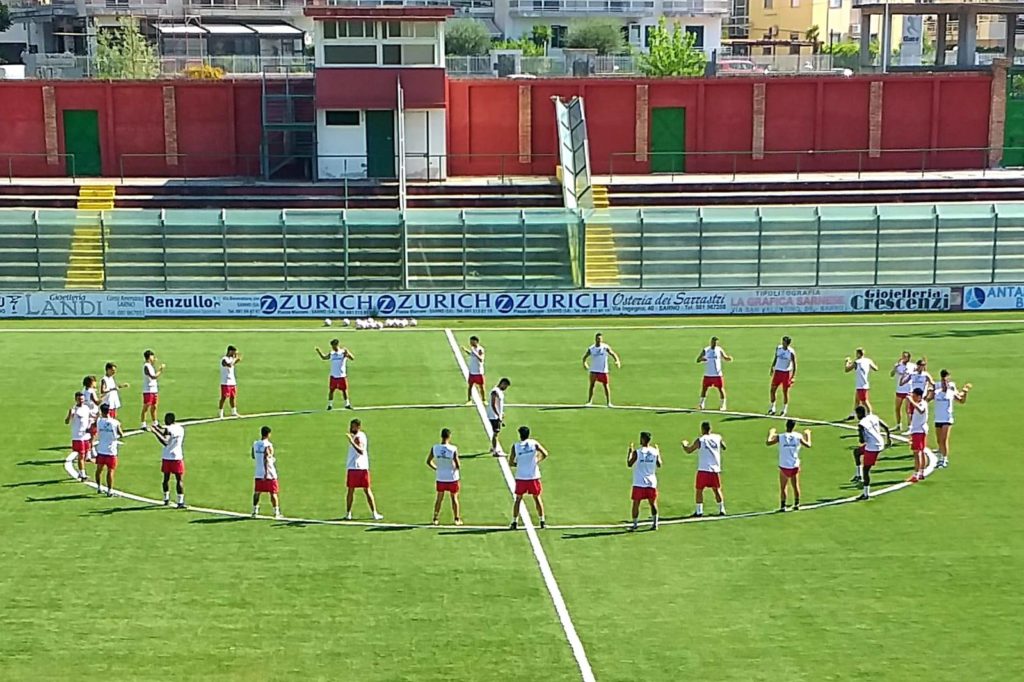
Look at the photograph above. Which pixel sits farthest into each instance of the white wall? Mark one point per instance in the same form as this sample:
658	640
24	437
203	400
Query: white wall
340	140
425	133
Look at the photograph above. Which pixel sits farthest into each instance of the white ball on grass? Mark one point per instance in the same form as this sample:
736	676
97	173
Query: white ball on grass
328	322
413	322
345	322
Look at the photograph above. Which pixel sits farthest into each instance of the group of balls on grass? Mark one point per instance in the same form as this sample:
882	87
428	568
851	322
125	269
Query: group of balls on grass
371	323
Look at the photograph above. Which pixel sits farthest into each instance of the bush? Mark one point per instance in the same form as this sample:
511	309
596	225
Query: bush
203	72
466	37
602	35
529	48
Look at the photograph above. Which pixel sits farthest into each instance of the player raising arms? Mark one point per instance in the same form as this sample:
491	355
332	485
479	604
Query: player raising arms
444	459
150	388
358	469
945	395
783	373
110	390
228	382
526	457
861	366
265	475
475	355
899	370
712	357
92	401
709	467
598	356
789	444
339	358
108	438
918	377
918	409
496	413
869	429
645	462
172	459
79	417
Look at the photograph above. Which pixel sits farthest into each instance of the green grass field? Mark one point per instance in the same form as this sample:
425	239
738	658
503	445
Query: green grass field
917	584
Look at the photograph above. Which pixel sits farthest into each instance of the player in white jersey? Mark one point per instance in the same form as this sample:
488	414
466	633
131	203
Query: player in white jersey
79	417
443	458
265	474
945	396
598	355
110	393
645	462
917	406
228	381
862	367
357	465
789	444
496	413
865	455
899	370
339	358
526	457
92	401
150	389
172	459
709	467
475	356
918	377
783	373
108	438
712	357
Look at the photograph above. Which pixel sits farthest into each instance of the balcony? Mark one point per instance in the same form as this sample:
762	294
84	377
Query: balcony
461	7
694	7
253	8
583	8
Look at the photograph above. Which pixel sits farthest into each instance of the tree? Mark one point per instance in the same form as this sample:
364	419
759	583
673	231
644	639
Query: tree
124	53
5	17
541	35
603	35
528	47
813	35
672	54
466	37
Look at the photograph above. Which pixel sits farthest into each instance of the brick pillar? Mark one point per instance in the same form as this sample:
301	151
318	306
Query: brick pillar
525	124
997	112
50	126
757	143
875	121
641	140
170	126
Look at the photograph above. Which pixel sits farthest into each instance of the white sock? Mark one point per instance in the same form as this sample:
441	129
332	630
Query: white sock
785	407
181	498
220	414
542	520
860	471
330	403
721	506
700	507
723	403
167	496
771	407
702	403
277	511
655	519
867	490
234	411
255	510
634	520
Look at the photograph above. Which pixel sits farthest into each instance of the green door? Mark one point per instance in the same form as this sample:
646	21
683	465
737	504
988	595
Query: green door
82	141
668	140
1013	131
380	144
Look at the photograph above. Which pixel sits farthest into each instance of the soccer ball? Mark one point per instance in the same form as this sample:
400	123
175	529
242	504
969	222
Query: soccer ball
345	322
328	322
412	322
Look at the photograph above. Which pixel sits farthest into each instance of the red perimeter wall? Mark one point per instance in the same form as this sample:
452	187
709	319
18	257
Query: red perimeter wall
218	126
802	114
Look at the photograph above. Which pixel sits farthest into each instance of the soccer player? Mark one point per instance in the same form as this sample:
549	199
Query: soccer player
526	457
712	357
496	413
783	373
110	389
789	444
945	395
869	429
92	401
109	433
598	356
339	358
899	370
475	355
861	366
172	461
358	469
228	382
709	467
150	388
444	459
918	409
645	462
918	377
80	418
266	473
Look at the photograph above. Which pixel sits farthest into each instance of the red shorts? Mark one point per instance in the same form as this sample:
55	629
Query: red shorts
642	493
447	486
862	394
358	478
228	391
109	461
266	485
917	441
477	379
784	379
707	479
150	398
93	430
713	382
80	446
339	383
530	487
173	466
112	412
868	458
790	472
599	377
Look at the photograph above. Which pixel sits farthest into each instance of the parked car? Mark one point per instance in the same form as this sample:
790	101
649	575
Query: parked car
738	67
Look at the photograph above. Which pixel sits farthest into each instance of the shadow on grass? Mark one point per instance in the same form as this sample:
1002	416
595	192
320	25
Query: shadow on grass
39	462
24	484
958	333
600	533
893	469
221	519
740	418
826	500
59	498
681	410
388	529
896	458
473	531
474	455
119	510
560	408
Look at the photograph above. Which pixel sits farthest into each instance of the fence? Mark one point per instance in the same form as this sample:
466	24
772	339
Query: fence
73	67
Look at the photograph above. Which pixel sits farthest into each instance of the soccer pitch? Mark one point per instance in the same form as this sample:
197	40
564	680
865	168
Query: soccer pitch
917	583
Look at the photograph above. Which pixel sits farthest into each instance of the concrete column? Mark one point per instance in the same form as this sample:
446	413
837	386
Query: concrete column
526	124
997	113
967	43
640	133
1011	36
170	126
886	41
757	133
865	39
50	125
875	120
940	40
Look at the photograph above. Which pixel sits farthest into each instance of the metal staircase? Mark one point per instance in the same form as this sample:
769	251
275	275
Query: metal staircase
288	148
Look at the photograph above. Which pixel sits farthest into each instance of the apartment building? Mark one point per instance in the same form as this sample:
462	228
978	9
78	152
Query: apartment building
781	26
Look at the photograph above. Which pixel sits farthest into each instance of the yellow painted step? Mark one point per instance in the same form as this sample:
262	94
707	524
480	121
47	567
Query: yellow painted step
85	258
